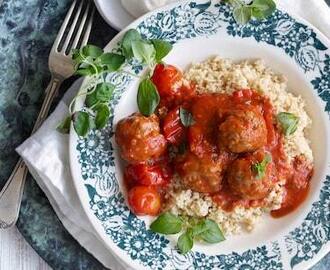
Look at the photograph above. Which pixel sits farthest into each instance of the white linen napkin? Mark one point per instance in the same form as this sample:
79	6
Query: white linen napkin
46	154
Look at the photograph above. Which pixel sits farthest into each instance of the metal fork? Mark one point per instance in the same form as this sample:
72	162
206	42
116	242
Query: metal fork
74	33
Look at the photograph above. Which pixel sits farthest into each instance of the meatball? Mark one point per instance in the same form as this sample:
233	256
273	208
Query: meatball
200	174
246	181
243	131
139	138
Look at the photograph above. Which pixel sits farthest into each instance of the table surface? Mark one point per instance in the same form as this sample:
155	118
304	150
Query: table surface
15	252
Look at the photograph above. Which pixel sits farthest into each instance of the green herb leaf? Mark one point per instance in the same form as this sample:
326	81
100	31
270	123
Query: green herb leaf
242	14
81	122
104	91
144	51
289	122
209	231
147	97
112	61
87	71
167	223
162	48
185	242
186	117
263	8
64	126
101	94
92	51
91	99
126	43
102	115
260	167
76	56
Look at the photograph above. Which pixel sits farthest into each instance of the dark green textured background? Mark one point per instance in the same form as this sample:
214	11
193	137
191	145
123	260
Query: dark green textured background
27	31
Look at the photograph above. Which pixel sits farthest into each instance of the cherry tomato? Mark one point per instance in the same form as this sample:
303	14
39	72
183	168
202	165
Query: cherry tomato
171	86
168	79
143	174
173	130
144	200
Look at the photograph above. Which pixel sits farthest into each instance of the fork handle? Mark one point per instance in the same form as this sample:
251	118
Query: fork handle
11	194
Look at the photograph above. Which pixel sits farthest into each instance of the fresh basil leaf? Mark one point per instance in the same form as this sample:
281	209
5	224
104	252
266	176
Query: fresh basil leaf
147	97
210	232
64	126
162	48
91	100
112	61
167	223
289	122
102	115
260	167
76	56
92	51
87	71
104	91
263	8
126	43
144	51
242	14
81	122
101	94
186	117
199	228
185	242
257	13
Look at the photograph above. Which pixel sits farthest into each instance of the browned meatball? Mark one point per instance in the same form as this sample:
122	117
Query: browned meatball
139	138
246	181
243	131
200	174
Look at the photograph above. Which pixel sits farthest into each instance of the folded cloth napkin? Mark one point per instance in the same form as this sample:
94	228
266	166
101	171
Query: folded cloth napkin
46	154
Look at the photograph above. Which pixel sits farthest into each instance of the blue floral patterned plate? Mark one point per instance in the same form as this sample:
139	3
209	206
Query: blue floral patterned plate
200	29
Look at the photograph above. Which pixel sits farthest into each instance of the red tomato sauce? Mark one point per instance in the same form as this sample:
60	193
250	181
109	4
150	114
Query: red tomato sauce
203	132
201	138
296	187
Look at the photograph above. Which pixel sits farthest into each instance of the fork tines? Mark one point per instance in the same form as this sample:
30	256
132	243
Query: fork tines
76	27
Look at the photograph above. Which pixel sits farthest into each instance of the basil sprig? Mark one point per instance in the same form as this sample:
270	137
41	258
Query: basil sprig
193	228
146	51
289	122
260	167
93	62
167	223
258	9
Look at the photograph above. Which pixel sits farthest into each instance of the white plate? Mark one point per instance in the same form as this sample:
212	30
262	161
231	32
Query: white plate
200	29
113	13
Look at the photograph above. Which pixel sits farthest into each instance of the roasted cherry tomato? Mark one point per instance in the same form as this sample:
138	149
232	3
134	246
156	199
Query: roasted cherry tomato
173	130
171	86
143	174
168	79
144	200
